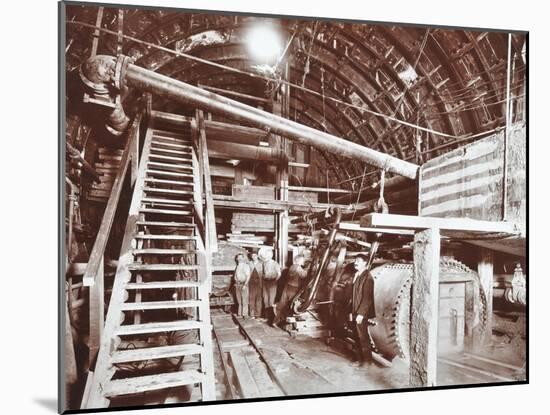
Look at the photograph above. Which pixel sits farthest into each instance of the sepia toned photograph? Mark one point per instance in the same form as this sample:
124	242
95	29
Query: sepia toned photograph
262	207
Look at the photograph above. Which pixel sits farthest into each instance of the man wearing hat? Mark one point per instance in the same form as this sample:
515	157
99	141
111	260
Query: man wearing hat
255	285
362	308
270	276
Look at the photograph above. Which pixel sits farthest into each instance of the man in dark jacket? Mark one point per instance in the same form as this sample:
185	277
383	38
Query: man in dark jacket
362	308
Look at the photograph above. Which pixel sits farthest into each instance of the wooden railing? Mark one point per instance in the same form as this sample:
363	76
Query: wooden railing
209	218
96	257
94	273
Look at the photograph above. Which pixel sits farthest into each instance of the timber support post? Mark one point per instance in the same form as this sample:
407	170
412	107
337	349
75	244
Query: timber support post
485	272
97	313
424	308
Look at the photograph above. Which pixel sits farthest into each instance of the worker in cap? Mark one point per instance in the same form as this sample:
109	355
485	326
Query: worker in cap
362	308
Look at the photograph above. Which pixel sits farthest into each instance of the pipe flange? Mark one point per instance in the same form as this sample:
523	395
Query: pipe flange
120	71
97	74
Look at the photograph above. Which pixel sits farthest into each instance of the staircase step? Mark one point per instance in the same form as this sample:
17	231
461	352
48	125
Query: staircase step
160	305
171	191
170	134
170	182
166	224
160	251
162	267
168	173
169	151
166	211
157	327
167	237
166	201
175	138
153	382
184	160
157	285
169	166
171	145
163	352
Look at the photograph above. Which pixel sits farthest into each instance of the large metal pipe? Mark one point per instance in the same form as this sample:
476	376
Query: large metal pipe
121	71
224	150
167	87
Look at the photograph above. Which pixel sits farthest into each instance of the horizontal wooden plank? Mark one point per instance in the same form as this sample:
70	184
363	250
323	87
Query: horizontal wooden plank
356	227
420	222
162	267
165	224
154	285
163	352
319	189
244	377
157	327
171	145
156	149
160	251
157	165
152	382
160	305
169	182
167	191
166	201
167	212
168	173
167	237
186	157
169	135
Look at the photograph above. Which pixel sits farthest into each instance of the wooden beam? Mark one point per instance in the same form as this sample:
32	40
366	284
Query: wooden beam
273	205
97	313
282	219
375	220
211	241
486	273
424	309
346	226
134	155
318	189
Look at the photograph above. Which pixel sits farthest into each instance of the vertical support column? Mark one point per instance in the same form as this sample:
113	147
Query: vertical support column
239	179
424	309
97	313
134	157
283	219
485	272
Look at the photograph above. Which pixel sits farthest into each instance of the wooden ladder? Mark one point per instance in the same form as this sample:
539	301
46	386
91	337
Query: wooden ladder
162	285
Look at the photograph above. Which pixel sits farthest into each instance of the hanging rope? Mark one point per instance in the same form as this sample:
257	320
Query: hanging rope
359	193
381	206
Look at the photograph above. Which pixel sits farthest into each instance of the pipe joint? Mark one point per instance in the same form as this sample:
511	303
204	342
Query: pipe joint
103	77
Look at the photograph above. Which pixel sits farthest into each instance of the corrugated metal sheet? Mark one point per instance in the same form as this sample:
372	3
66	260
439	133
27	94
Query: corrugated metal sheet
466	182
469	182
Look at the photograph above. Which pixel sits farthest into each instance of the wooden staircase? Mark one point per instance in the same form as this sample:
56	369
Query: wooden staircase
162	285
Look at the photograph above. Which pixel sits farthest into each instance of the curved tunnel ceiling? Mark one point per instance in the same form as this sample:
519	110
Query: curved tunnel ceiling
446	80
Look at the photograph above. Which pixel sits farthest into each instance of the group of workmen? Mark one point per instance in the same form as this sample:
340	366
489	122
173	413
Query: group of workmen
257	283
